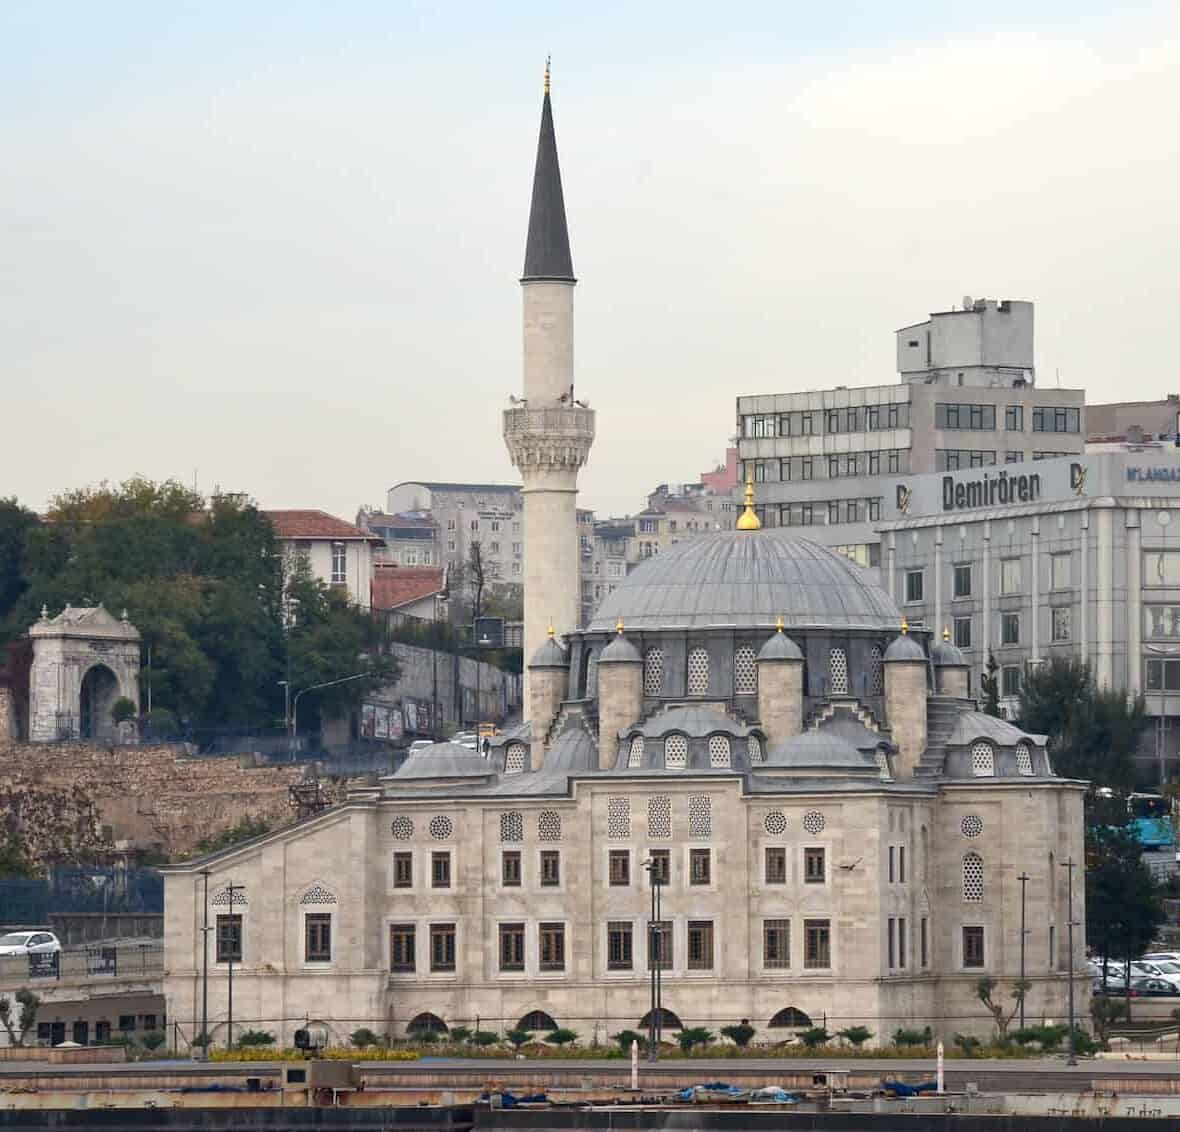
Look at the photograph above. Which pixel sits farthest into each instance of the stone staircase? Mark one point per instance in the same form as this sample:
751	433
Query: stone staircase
942	712
862	713
574	713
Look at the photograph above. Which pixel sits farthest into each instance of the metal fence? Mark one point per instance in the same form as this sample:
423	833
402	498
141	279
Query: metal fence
130	961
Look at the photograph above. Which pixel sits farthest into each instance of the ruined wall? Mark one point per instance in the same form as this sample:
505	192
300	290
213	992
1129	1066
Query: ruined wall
139	797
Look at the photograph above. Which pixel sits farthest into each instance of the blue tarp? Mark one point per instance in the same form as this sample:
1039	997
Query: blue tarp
901	1089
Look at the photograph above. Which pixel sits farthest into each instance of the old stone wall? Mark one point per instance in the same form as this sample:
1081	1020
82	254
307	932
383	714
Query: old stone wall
150	797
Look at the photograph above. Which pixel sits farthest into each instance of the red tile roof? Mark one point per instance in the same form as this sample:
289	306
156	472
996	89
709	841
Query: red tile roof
315	524
399	585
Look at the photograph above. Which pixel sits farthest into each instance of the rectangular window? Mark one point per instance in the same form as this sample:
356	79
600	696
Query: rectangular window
510	869
901	864
1161	568
512	947
229	939
661	866
620	868
924	942
874	463
698	866
776	944
892	853
442	947
403	870
1014	418
619	951
1052	947
914	585
1009	575
1010	628
901	947
552	947
962	626
550	868
962	581
317	937
700	945
401	947
817	944
776	865
659	951
1010	680
339	563
1161	621
972	946
813	865
1013	456
891	943
440	869
1061	623
1059	571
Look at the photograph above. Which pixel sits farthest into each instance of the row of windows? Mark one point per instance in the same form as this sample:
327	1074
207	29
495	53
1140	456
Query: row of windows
982	418
1060	628
745	672
1011	577
813	422
975	418
797	469
952	459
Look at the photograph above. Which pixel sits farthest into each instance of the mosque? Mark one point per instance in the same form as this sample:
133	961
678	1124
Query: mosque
746	772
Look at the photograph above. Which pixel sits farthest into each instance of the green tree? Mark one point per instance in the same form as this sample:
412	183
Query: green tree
693	1036
815	1037
855	1035
968	1044
484	1038
518	1037
903	1037
985	991
626	1037
249	1038
561	1036
18	1028
15	524
246	828
989	685
122	710
460	1034
741	1035
363	1037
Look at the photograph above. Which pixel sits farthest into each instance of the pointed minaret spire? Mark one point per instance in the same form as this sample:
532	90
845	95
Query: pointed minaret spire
547	252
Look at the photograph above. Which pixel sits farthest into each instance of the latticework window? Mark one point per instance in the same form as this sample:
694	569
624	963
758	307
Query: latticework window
441	827
635	754
745	672
511	826
618	817
402	827
514	759
876	672
698	672
223	897
813	822
719	752
1023	759
775	823
549	825
700	815
653	672
973	878
675	752
318	894
754	749
883	764
659	817
971	825
838	671
983	760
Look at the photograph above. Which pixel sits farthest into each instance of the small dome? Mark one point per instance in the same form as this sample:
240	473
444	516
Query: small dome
946	655
904	647
620	651
780	647
549	655
818	749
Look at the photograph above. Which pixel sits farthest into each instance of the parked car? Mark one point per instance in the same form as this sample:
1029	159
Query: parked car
29	943
1146	988
1168	956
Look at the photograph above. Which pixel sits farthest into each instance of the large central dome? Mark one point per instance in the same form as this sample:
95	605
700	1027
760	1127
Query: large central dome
747	579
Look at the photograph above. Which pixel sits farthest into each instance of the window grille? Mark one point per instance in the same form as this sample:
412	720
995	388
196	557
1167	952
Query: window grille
719	752
635	755
838	672
973	878
618	817
754	747
745	672
659	817
318	894
1024	759
700	816
675	752
775	823
441	827
402	827
813	822
698	672
971	825
983	760
876	672
514	760
653	672
511	826
549	826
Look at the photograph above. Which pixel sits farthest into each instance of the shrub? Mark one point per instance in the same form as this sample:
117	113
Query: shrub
740	1034
483	1038
967	1044
856	1035
122	710
424	1037
460	1034
518	1037
363	1038
693	1036
814	1037
626	1037
1083	1043
255	1038
161	724
153	1039
1049	1038
562	1037
913	1037
202	1040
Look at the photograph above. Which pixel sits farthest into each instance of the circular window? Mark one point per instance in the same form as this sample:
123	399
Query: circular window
813	821
441	827
402	827
971	825
775	823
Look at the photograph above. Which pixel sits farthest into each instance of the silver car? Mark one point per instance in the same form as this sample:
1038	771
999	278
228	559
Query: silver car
29	943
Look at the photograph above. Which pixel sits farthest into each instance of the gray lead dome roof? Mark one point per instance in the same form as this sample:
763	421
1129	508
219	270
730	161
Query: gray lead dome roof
747	579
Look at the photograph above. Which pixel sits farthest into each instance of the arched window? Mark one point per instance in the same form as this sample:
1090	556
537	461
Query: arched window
973	878
745	672
1023	759
698	672
838	672
983	760
790	1017
876	672
514	759
426	1023
675	752
635	754
653	672
537	1020
719	752
754	749
668	1021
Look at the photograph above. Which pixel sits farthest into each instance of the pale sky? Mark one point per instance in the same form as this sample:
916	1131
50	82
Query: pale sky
275	246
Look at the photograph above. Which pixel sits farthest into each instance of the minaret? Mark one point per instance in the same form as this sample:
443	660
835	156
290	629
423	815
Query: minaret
547	432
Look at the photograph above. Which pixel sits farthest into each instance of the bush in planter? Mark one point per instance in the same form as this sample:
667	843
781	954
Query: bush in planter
694	1036
855	1035
626	1037
967	1044
424	1037
518	1037
741	1034
460	1034
122	710
562	1037
815	1037
363	1038
153	1039
249	1038
483	1038
913	1037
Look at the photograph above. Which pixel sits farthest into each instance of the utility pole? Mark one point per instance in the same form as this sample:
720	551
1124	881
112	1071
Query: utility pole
654	958
235	938
1024	879
205	972
1069	867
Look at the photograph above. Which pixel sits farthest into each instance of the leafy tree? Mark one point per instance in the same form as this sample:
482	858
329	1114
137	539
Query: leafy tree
518	1037
15	524
460	1034
153	1040
18	1028
693	1036
1049	1038
985	990
14	859
967	1044
1105	1012
989	685
902	1037
483	1038
248	1038
855	1035
122	710
626	1037
363	1037
561	1036
424	1037
741	1034
815	1037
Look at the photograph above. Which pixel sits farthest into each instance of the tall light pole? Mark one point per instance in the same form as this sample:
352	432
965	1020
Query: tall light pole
286	686
313	688
1069	867
1024	879
655	960
482	643
235	936
205	972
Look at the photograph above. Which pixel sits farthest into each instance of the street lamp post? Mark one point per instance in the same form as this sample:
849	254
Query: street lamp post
482	643
235	939
294	716
205	972
1024	879
655	960
1069	867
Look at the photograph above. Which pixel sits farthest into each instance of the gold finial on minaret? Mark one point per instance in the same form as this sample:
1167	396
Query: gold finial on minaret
946	633
779	624
547	58
619	626
905	627
748	520
551	630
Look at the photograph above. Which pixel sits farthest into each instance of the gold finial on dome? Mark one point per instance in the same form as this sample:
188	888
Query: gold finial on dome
779	624
946	633
748	520
619	626
905	627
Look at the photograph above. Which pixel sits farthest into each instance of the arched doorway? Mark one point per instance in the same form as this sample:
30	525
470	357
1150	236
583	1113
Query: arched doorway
668	1021
790	1017
426	1023
100	690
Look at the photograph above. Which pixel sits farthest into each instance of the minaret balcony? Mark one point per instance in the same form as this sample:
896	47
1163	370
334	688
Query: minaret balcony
554	436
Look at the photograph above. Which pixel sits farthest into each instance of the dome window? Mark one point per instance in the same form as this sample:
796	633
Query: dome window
973	878
745	672
754	748
876	672
635	754
675	752
514	759
983	760
653	672
1024	759
838	671
698	672
719	752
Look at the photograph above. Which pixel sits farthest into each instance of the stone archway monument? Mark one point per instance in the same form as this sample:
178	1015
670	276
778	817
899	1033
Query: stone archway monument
83	661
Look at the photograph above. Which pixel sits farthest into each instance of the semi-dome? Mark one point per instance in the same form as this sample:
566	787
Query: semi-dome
747	579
